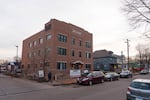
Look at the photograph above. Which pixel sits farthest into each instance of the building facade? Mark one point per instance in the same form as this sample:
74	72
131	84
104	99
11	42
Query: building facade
58	48
107	61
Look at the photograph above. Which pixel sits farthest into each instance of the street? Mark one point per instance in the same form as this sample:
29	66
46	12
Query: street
19	89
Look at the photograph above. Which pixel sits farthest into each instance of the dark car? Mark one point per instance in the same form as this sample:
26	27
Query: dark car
144	71
126	74
111	76
139	89
92	78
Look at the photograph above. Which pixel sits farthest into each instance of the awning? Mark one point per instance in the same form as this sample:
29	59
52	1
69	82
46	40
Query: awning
77	62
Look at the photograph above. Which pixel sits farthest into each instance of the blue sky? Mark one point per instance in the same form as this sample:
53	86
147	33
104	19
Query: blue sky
103	18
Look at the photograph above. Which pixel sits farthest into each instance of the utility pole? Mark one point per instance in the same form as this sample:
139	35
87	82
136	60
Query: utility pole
127	41
17	53
122	59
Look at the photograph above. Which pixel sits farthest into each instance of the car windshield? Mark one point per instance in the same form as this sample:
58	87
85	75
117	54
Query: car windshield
109	73
84	74
140	85
90	74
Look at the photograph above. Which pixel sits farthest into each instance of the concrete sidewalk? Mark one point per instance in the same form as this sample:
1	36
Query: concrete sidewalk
64	82
53	83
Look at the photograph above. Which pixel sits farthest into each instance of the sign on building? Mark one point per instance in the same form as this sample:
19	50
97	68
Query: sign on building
75	73
41	73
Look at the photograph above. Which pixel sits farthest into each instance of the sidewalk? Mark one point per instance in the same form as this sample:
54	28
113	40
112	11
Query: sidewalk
64	82
54	83
3	76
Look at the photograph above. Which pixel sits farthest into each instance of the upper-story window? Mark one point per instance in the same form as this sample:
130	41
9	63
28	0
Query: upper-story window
29	55
72	53
61	51
34	43
80	54
39	53
48	37
73	41
47	50
30	45
87	44
40	40
80	43
47	27
88	55
62	38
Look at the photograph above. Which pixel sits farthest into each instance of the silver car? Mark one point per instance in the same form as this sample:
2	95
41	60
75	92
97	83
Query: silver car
139	89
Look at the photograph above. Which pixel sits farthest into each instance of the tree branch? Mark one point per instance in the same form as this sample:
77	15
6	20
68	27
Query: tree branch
145	4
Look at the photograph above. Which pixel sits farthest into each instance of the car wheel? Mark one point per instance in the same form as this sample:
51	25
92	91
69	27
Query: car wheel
117	78
111	79
90	83
128	98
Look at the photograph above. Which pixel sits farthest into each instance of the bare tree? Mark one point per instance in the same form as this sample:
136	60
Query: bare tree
138	14
143	55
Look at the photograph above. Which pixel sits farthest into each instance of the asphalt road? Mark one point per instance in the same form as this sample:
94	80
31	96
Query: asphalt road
18	89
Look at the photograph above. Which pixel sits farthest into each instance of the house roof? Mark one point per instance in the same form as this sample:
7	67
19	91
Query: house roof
102	53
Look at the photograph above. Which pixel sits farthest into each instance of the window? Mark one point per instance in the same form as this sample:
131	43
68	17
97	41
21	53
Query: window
28	65
47	27
87	44
62	51
72	53
40	40
48	37
80	54
48	50
88	55
76	66
34	43
39	53
62	38
30	45
73	41
29	55
140	85
61	66
88	66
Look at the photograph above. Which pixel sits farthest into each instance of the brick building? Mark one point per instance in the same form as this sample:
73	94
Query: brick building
58	48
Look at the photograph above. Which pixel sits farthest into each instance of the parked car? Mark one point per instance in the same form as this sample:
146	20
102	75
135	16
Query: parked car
144	71
3	69
110	76
92	78
126	74
139	89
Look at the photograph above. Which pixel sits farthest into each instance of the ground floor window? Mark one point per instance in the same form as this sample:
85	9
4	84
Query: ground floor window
61	65
88	66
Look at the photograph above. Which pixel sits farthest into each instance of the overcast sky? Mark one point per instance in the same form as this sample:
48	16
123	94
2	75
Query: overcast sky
20	19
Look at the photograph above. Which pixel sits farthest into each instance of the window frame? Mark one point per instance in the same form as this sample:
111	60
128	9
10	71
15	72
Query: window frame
62	66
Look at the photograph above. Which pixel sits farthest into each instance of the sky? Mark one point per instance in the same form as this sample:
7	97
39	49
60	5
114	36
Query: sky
19	19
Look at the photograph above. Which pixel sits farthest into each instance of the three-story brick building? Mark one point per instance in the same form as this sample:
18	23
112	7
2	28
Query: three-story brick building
58	48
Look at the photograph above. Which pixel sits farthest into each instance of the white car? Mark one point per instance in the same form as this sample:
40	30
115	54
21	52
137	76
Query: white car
126	74
139	89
